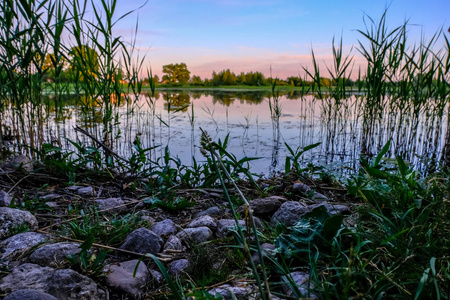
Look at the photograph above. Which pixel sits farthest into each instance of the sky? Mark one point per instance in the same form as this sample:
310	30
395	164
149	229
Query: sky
270	36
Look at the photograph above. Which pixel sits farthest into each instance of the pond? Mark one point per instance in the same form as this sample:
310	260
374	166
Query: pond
258	124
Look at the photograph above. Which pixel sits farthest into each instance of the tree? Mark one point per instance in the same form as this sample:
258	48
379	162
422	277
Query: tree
84	61
176	73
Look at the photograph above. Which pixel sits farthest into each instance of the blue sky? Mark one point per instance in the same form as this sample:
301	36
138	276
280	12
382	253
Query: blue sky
250	35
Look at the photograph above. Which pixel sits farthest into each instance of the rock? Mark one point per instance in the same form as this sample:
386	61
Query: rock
212	211
54	255
28	294
164	227
50	197
264	206
227	292
319	197
19	244
121	277
20	162
203	221
267	250
177	267
11	218
333	209
5	199
301	187
173	243
62	284
74	188
156	277
289	213
225	226
198	235
142	241
301	279
85	191
110	204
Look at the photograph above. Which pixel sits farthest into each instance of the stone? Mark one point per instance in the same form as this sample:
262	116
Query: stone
225	226
333	209
227	292
11	218
143	240
203	221
301	279
62	284
212	211
267	250
110	204
120	276
21	243
20	162
319	197
289	213
50	197
173	243
5	199
197	235
85	191
301	187
264	206
164	227
156	277
29	294
177	267
54	255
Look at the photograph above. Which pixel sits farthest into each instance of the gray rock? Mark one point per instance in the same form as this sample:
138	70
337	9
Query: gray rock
110	204
212	211
68	284
19	244
227	292
203	221
28	294
164	227
121	277
319	197
333	209
11	218
143	241
50	197
177	267
5	199
198	234
173	243
20	162
301	187
62	284
53	255
264	206
74	188
301	279
225	226
156	277
267	250
289	213
85	191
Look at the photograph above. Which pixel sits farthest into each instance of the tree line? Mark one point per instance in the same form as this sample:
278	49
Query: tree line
178	74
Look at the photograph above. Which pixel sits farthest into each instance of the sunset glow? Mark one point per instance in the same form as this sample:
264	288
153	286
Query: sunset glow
277	35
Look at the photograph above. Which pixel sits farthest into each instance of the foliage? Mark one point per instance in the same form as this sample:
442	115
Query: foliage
176	73
88	261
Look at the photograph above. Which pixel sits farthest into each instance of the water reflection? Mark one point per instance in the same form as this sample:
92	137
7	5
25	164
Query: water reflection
258	124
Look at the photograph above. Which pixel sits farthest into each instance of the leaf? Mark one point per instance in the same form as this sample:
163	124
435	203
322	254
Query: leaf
380	155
